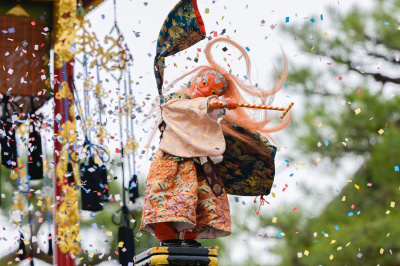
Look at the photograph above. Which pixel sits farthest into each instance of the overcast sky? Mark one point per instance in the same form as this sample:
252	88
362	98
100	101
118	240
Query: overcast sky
255	24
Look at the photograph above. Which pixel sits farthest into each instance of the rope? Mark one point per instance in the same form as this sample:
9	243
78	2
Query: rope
87	104
98	81
47	182
115	19
130	92
127	123
122	146
66	115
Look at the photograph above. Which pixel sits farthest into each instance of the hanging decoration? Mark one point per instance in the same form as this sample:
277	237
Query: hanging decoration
103	134
35	156
7	127
125	231
111	60
46	207
91	195
131	145
93	186
125	235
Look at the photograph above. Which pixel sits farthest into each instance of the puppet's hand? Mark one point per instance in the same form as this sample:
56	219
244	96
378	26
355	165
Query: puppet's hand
229	103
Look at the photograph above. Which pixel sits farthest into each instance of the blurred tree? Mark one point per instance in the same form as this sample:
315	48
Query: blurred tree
354	94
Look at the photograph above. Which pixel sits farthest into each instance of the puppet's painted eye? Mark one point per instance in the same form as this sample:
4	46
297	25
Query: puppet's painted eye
204	82
213	92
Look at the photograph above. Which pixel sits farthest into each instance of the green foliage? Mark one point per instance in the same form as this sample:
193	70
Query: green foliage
361	233
360	221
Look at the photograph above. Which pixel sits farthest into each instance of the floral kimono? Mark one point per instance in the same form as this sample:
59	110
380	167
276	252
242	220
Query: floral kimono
177	189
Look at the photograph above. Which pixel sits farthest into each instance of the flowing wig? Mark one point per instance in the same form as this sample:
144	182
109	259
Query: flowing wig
237	89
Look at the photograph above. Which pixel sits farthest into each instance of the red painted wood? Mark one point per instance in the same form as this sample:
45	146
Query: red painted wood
59	258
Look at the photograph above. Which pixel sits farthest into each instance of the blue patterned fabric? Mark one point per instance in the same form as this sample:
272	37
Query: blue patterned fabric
244	171
182	28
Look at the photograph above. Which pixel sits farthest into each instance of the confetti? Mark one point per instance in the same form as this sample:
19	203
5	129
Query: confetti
357	111
299	254
381	131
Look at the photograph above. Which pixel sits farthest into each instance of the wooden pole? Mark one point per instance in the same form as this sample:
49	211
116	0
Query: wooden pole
60	258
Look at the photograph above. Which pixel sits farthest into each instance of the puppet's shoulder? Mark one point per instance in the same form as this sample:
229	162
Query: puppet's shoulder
175	95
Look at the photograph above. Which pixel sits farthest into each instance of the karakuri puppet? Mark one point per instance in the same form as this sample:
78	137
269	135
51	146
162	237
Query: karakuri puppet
209	146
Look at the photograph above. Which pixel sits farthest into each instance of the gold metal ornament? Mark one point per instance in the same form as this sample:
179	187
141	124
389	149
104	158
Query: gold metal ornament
102	132
64	91
86	42
88	83
128	105
130	146
65	36
88	124
23	128
115	57
100	91
18	11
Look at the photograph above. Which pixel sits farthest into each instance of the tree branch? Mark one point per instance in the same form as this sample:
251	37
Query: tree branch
382	57
378	77
379	41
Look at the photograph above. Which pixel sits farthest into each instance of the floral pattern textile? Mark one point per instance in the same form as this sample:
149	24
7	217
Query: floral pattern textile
177	192
182	28
246	172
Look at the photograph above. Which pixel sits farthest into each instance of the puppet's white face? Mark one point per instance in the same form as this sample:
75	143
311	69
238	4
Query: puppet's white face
207	86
